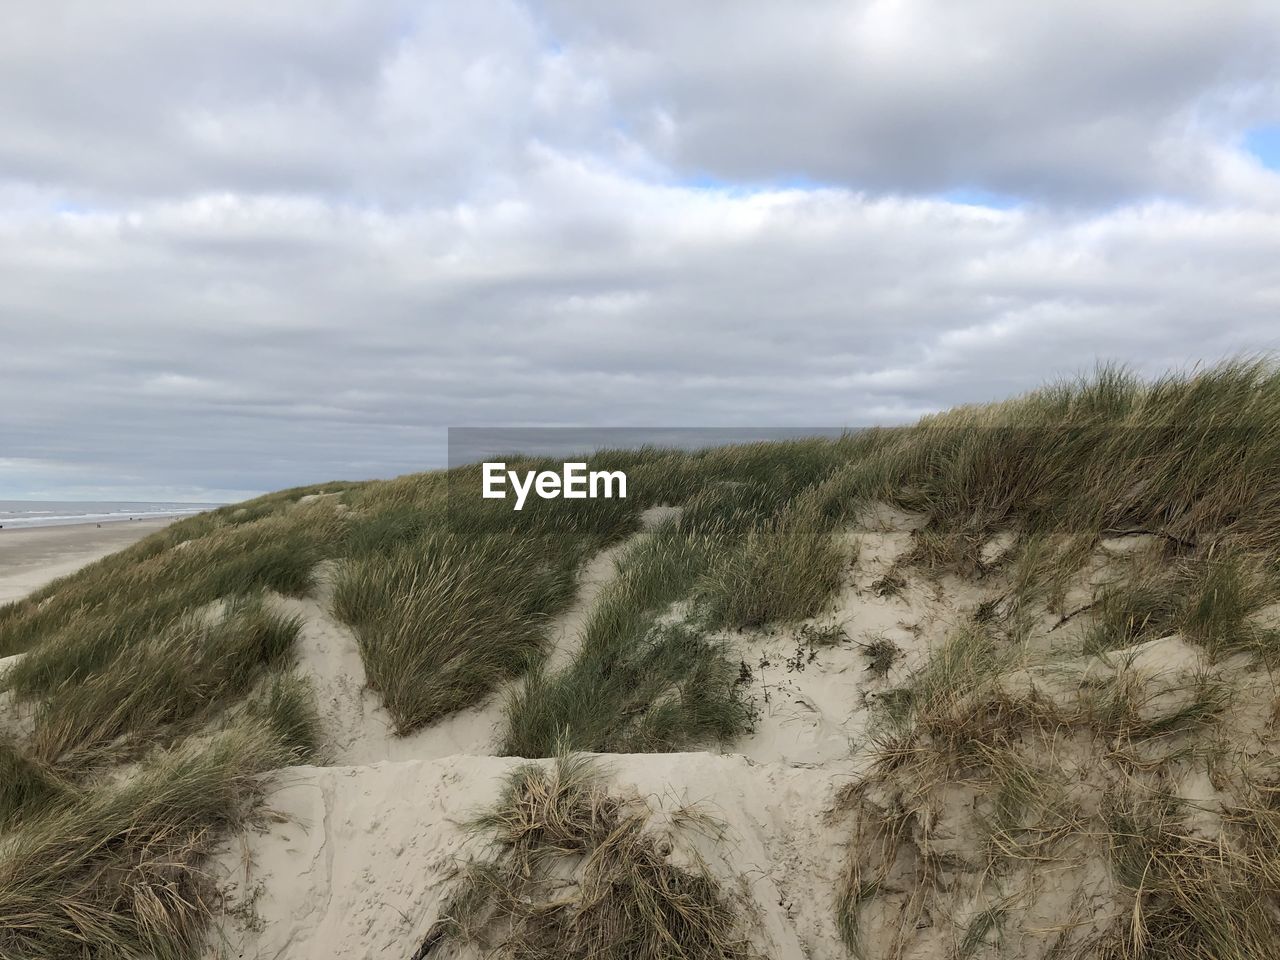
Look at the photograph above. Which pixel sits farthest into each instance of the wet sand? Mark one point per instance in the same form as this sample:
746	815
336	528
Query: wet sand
33	556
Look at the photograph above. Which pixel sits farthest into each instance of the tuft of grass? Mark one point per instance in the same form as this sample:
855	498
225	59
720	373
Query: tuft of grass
441	622
626	899
636	684
286	703
784	571
1191	896
890	585
874	851
827	635
981	926
672	690
881	654
1130	706
1209	601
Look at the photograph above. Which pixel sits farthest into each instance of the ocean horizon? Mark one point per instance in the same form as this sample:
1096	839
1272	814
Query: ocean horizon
21	514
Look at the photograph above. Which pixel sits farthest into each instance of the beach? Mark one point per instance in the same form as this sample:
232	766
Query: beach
34	556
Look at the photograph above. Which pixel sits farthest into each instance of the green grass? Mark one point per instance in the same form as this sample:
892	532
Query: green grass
785	569
26	786
1210	601
113	603
435	634
284	702
636	685
1192	458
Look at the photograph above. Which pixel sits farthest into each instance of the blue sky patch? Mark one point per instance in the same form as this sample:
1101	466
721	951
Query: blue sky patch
1264	143
977	197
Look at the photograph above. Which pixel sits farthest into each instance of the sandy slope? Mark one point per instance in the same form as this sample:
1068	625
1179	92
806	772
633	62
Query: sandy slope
363	856
356	858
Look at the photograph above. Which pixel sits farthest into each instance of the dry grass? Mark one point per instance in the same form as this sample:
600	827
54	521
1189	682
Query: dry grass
574	873
1041	786
1194	896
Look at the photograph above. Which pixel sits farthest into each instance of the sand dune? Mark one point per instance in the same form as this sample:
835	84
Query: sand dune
358	857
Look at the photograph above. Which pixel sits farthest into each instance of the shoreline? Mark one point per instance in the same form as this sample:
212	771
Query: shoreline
31	557
162	519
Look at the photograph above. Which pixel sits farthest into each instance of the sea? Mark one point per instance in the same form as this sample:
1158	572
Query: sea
17	514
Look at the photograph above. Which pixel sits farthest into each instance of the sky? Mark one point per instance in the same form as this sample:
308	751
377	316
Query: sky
250	245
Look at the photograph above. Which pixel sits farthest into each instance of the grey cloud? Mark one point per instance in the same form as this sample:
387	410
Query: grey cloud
244	246
792	308
1080	101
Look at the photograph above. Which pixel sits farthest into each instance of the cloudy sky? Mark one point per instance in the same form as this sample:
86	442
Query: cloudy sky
245	245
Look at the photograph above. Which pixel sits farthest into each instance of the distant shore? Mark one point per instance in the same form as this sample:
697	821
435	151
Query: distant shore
31	557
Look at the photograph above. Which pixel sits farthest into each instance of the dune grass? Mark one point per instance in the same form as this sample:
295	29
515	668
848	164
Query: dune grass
164	684
1211	601
1191	463
636	684
627	900
1190	458
122	598
741	554
785	569
26	786
113	873
285	704
434	633
1195	896
1022	771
